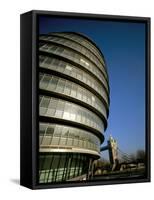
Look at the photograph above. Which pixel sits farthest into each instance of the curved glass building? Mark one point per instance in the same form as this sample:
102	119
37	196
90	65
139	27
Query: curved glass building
73	107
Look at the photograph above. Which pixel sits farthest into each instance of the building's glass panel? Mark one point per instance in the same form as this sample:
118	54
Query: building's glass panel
55	141
60	86
76	58
42	129
53	83
87	49
68	136
59	167
46	140
72	89
75	72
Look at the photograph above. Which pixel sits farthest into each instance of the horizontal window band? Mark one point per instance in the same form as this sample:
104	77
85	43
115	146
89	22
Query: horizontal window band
78	43
51	54
69	153
59	108
86	38
67	77
76	101
58	64
104	73
66	136
77	52
64	149
73	124
69	88
89	40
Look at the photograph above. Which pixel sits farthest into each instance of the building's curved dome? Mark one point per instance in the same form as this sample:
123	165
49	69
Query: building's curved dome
74	105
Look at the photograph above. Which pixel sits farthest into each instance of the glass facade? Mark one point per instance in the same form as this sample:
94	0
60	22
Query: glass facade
57	108
74	72
61	135
61	167
77	47
73	106
69	88
75	57
85	43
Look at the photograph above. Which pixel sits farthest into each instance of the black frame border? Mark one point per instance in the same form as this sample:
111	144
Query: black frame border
29	142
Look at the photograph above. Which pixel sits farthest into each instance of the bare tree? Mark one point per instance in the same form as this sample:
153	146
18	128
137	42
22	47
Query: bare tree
140	156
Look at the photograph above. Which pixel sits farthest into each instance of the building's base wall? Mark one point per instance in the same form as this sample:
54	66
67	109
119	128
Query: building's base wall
59	167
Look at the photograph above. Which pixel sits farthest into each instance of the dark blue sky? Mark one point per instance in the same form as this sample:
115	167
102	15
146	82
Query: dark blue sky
123	45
